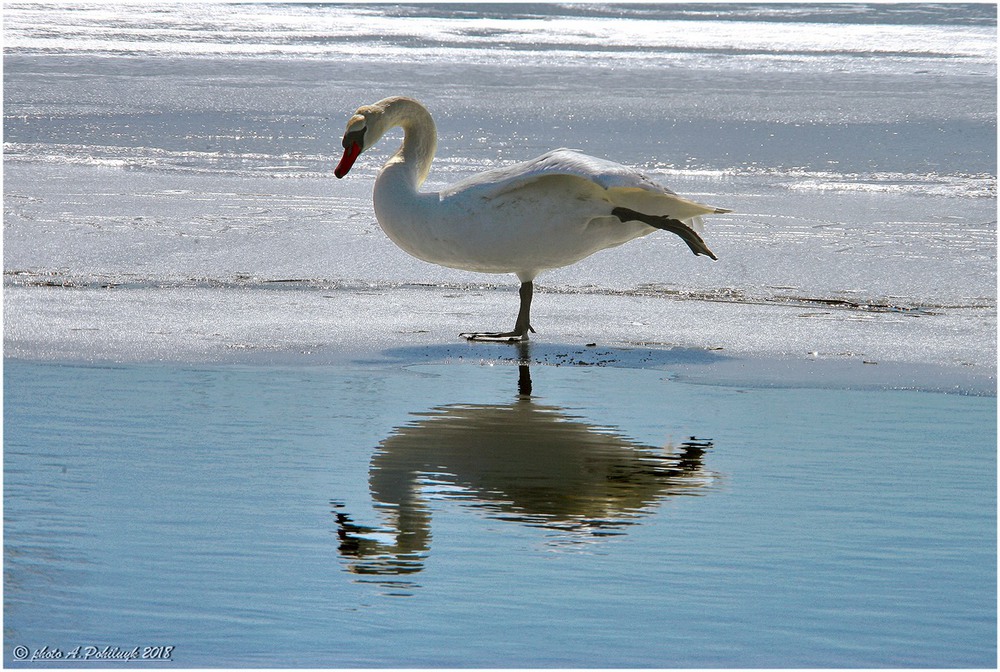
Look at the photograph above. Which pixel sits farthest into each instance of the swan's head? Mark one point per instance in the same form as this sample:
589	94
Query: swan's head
364	129
354	143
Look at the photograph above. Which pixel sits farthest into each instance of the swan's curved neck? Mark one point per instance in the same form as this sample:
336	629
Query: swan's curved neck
419	139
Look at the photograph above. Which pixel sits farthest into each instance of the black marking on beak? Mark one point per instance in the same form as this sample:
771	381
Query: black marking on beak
357	136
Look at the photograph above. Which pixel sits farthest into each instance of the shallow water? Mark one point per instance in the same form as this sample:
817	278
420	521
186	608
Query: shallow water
372	516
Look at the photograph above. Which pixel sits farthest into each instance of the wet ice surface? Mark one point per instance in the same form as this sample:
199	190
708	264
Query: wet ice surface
862	182
145	267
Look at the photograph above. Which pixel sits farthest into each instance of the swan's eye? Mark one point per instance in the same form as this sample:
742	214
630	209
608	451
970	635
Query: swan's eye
356	136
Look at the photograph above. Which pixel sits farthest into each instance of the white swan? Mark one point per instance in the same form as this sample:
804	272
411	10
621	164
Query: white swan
545	213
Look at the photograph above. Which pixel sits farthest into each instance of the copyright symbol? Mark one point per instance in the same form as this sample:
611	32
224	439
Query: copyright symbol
21	653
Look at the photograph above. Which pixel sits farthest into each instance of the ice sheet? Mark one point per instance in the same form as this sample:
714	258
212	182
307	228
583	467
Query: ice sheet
154	171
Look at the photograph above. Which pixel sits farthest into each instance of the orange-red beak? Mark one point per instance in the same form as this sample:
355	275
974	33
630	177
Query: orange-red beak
350	156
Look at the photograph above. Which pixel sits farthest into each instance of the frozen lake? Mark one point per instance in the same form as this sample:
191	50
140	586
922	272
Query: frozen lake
238	420
187	147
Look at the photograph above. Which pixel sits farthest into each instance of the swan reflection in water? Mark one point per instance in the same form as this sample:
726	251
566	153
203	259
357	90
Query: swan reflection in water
524	462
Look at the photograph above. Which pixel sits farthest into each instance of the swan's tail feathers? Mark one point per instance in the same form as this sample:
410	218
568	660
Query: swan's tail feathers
675	226
697	222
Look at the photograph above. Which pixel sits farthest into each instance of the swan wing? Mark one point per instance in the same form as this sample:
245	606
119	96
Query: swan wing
623	186
607	174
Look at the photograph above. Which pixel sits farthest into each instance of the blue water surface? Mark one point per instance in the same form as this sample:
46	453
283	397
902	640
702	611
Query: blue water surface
432	515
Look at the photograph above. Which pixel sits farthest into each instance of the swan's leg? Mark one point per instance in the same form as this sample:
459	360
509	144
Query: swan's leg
521	327
523	324
687	234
